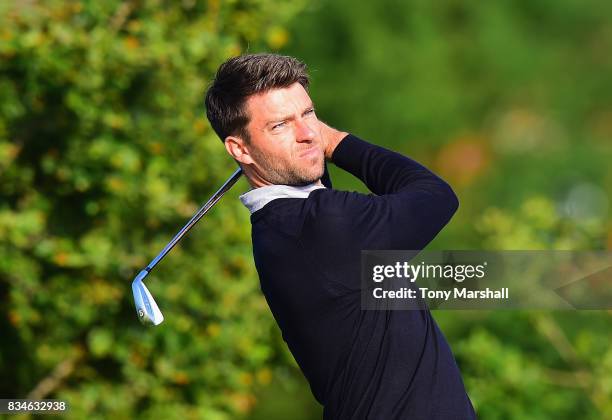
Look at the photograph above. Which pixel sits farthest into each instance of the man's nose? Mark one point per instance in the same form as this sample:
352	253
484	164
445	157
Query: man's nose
304	131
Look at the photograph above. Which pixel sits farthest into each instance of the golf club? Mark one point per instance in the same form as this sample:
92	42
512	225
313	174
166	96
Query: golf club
147	310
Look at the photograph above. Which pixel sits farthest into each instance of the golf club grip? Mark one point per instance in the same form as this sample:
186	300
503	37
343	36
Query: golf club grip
203	210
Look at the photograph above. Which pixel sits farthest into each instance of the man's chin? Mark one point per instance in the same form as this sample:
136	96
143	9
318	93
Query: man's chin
306	181
303	182
302	179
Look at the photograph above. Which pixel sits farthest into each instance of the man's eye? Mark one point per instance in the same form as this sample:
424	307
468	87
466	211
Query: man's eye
278	125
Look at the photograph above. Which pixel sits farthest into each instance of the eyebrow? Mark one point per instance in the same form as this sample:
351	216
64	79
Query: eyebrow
289	117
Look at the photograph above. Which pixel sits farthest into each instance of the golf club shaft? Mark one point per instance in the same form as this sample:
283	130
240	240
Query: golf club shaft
211	202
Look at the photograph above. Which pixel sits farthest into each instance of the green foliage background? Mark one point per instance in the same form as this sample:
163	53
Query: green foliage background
105	152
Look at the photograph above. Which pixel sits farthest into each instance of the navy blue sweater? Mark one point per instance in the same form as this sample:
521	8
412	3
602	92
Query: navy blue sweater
359	364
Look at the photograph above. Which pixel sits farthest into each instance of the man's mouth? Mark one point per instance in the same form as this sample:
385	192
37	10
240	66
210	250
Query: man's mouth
311	151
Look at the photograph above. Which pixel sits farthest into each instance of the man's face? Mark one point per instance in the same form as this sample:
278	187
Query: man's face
285	144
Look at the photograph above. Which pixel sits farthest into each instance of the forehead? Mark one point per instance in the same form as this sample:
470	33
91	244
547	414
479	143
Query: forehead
277	103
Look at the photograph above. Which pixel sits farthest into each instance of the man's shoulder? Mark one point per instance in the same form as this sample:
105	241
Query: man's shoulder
325	210
342	220
336	203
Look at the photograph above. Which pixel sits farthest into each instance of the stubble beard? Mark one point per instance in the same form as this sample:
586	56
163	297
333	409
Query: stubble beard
286	174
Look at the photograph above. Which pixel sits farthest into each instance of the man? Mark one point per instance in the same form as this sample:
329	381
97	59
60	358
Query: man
308	237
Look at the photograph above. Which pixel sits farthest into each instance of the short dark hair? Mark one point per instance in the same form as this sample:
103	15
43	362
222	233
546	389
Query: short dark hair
243	76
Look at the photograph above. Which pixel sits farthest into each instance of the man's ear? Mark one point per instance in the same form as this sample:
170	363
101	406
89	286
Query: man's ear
237	148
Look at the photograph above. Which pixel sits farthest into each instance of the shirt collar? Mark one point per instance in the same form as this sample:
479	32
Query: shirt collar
256	198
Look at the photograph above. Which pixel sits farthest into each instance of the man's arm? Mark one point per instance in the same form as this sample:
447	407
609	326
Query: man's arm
411	205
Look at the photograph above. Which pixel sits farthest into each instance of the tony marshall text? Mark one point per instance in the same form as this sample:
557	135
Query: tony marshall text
456	293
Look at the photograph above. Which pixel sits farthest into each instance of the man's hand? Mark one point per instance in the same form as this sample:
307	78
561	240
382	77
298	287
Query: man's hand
330	137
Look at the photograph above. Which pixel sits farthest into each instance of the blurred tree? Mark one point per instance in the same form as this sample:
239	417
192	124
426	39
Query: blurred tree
105	152
537	364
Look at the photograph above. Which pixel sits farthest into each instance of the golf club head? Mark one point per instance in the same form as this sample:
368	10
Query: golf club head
146	308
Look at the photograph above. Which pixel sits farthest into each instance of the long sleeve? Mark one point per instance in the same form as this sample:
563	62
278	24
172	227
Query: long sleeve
410	206
386	172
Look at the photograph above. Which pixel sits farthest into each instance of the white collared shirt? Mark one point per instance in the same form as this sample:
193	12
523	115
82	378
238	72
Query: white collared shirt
256	198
